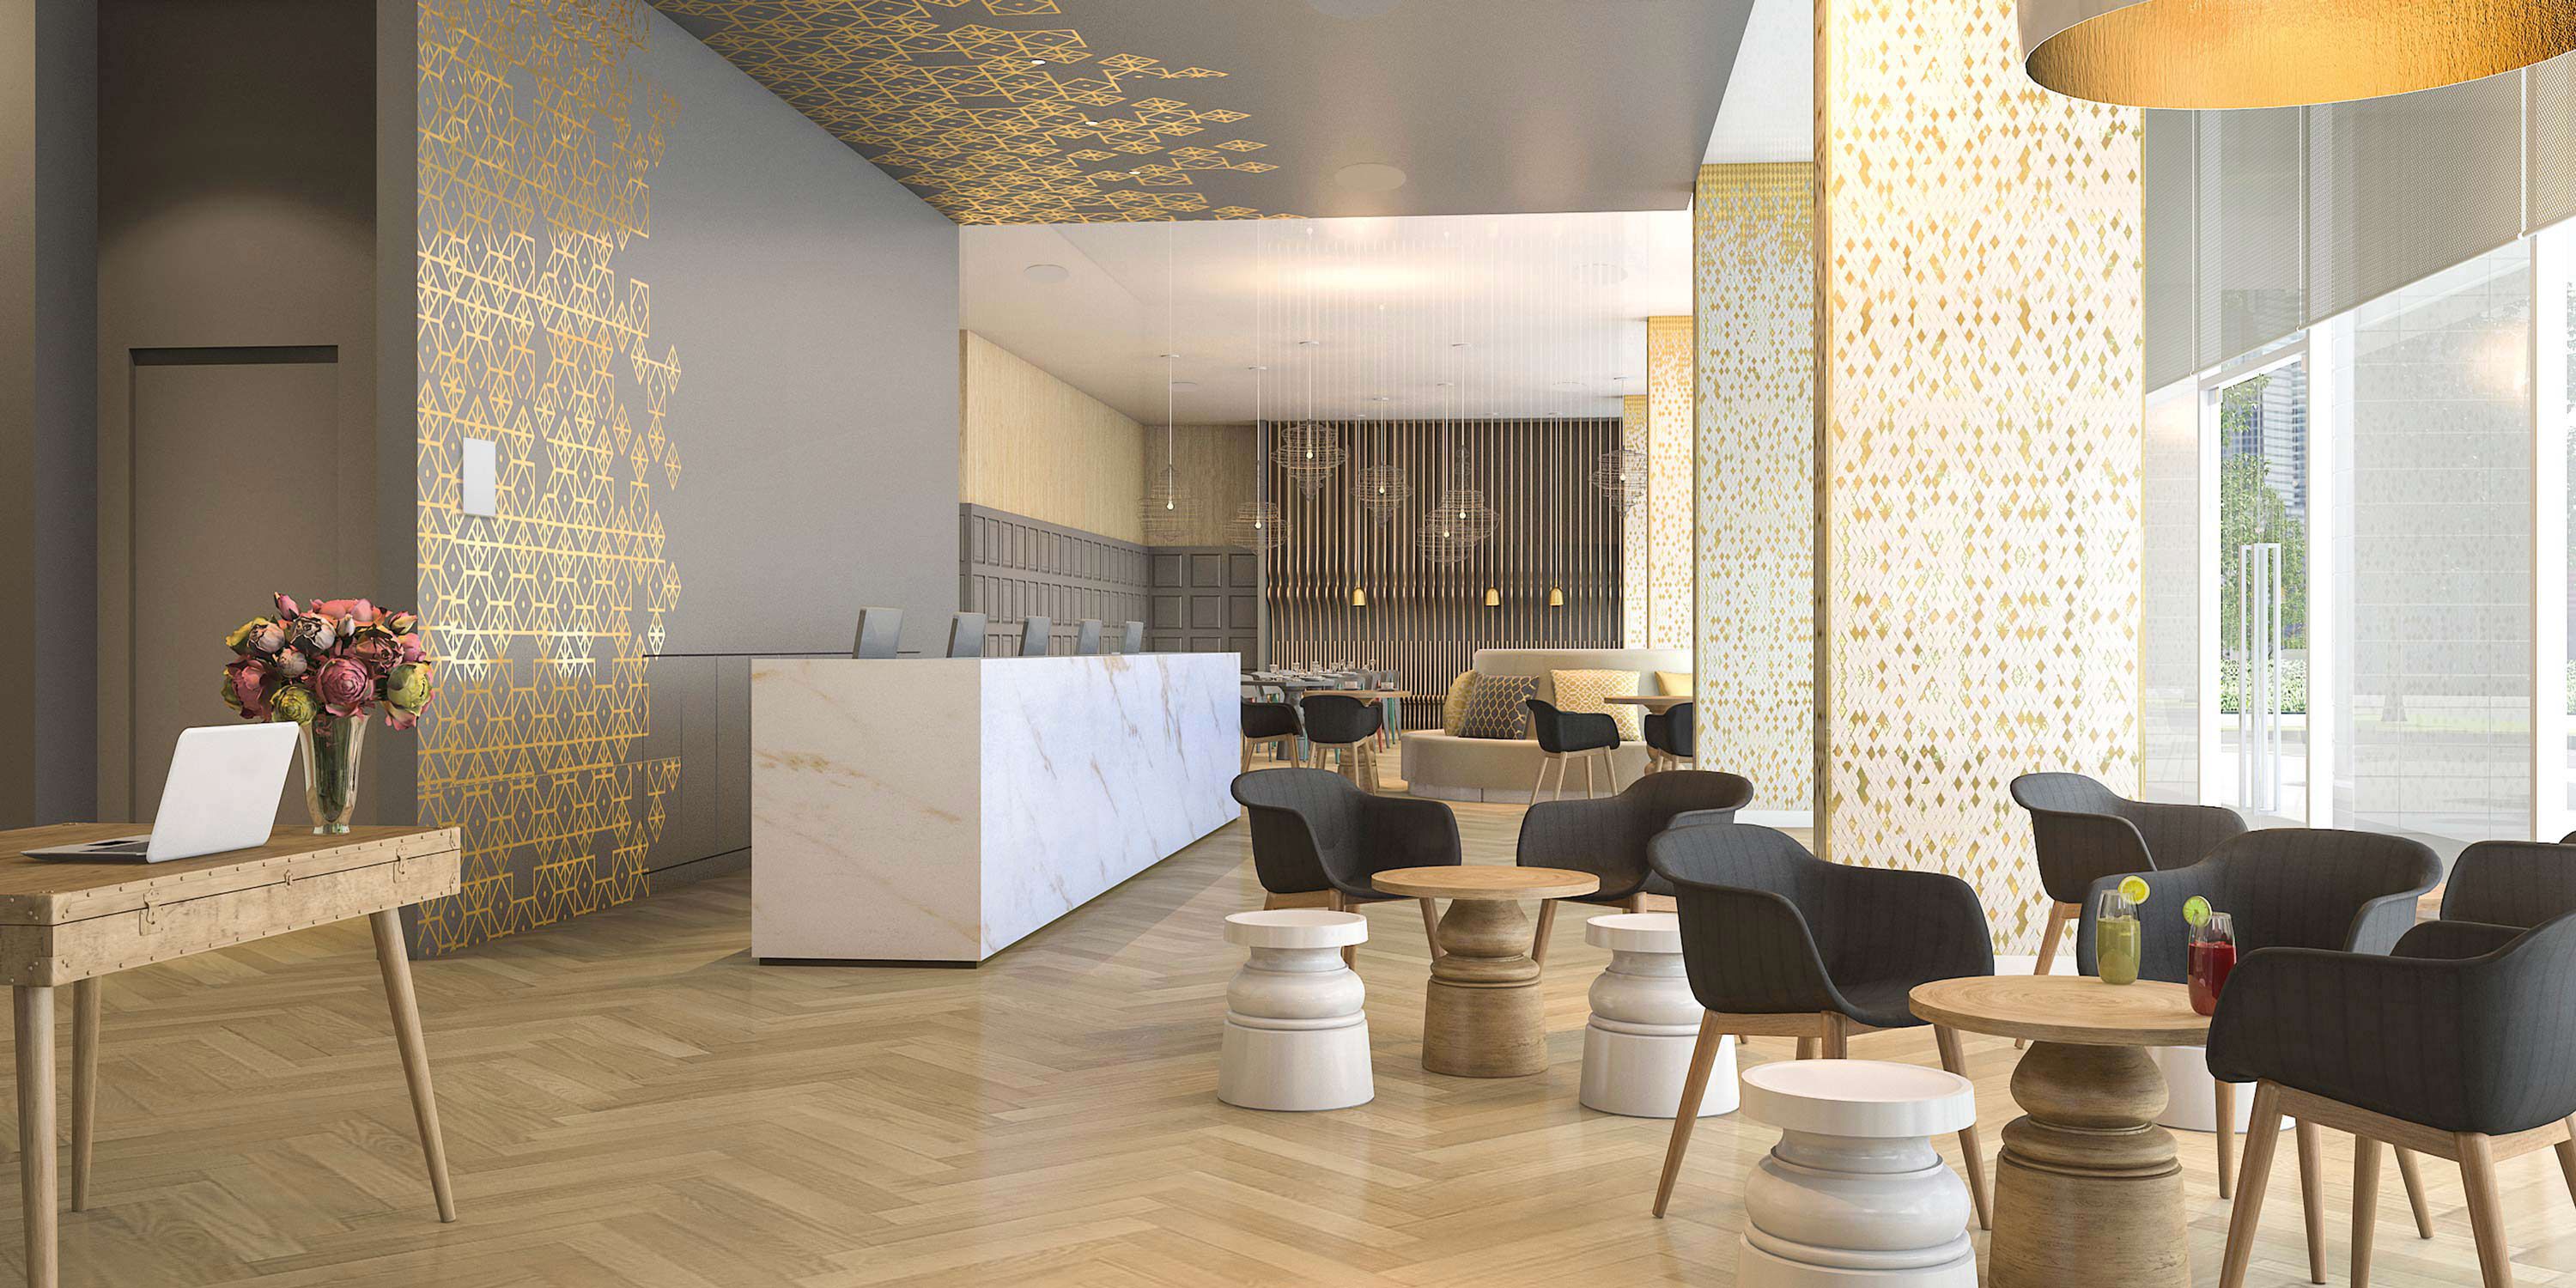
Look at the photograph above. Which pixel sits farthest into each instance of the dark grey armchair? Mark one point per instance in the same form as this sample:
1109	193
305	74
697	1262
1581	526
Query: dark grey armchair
1608	837
1317	840
2081	831
2289	887
1565	736
2511	883
2461	1042
1778	942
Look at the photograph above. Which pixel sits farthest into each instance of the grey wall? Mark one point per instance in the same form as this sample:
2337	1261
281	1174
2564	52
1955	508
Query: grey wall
48	321
813	303
1206	599
1011	566
237	189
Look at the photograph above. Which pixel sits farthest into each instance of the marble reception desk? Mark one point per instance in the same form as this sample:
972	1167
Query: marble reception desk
938	810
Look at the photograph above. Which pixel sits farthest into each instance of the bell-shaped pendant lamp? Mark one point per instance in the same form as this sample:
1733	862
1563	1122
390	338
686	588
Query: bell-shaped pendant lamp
2281	53
1493	596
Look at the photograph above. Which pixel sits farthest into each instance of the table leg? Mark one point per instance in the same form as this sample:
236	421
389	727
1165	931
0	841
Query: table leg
2085	1178
1481	1016
415	1055
34	1013
84	1085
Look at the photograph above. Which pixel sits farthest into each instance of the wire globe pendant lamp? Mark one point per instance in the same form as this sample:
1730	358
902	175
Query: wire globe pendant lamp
1309	451
1169	514
2282	53
1461	520
1258	525
1620	475
1382	489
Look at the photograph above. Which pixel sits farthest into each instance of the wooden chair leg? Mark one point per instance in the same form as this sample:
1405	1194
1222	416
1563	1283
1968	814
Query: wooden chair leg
1589	791
2413	1178
2057	915
1546	923
1969	1148
1612	761
1703	1058
1806	1048
1836	1043
1541	784
2225	1094
2248	1213
85	1002
2486	1211
2566	1150
2365	1206
2312	1195
1431	925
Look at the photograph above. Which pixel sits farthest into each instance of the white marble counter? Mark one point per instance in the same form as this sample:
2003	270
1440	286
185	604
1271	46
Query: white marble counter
939	810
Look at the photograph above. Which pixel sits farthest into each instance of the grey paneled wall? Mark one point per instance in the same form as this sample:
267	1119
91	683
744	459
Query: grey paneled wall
1207	599
1427	620
1011	566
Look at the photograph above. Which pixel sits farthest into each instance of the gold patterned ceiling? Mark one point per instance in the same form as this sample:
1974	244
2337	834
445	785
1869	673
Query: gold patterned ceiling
995	111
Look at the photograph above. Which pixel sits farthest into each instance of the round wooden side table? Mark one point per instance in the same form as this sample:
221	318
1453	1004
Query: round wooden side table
2087	1186
1481	1016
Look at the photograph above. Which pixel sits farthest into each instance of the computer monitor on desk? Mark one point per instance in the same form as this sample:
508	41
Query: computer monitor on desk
1132	638
1034	633
966	635
1086	638
880	632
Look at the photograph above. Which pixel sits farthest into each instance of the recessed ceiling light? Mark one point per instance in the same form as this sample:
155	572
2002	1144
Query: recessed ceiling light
1308	344
1050	274
1167	355
1369	176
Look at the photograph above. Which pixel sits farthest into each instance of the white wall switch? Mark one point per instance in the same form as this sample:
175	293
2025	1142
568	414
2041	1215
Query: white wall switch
482	477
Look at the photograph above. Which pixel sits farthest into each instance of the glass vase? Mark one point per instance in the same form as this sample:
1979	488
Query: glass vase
330	745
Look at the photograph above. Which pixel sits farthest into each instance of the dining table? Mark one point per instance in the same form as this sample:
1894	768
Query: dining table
2087	1187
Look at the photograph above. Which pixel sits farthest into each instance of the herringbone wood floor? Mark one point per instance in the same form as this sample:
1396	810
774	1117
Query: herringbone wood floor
629	1101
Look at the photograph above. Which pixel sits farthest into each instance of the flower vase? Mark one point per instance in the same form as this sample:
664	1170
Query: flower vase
331	745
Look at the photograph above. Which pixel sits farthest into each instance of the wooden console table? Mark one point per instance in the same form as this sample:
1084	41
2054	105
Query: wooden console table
76	922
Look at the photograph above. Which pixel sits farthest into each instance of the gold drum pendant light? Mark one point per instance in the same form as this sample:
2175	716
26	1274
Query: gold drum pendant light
2213	54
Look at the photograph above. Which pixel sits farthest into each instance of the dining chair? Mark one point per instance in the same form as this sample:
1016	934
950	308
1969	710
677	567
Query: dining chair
1608	837
1572	735
1668	738
1317	841
2082	831
2287	887
1346	727
1271	724
1780	943
2458	1043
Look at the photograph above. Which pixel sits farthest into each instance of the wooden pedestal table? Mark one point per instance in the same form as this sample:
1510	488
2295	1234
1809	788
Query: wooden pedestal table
2087	1186
1481	1016
74	922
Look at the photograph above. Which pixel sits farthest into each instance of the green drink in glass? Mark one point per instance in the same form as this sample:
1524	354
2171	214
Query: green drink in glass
2116	936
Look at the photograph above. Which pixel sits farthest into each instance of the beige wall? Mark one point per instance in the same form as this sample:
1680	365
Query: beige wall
1032	445
1216	464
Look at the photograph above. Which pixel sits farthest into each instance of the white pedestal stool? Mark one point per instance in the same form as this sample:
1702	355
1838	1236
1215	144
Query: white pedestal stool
1854	1193
1637	1049
1295	1034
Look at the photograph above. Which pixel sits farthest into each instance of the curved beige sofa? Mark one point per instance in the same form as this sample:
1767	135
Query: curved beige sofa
1450	768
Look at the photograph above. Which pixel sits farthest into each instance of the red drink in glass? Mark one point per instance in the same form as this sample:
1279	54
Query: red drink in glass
2211	960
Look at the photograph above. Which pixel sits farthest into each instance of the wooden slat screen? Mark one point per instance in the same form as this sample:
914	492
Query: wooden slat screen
1427	620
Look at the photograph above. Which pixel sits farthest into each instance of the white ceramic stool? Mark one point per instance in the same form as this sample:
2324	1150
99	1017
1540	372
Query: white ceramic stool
1637	1049
2191	1095
1295	1034
1854	1193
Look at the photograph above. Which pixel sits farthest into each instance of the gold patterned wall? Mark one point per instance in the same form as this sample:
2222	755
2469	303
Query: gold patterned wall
538	134
1633	598
1980	476
995	111
1671	441
1754	290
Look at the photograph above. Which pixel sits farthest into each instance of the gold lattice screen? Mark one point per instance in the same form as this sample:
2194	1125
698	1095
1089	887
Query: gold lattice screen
539	129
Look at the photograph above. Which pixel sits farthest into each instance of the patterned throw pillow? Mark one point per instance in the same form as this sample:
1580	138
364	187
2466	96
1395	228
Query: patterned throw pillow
1677	683
1495	710
1453	713
1585	691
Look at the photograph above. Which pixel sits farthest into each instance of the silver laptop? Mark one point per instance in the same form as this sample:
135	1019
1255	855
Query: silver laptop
880	632
221	795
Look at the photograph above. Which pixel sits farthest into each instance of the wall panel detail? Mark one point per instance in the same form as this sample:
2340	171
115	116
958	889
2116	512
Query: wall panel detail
1012	566
1206	599
1030	444
1633	430
1980	467
1671	441
539	131
1427	620
1754	291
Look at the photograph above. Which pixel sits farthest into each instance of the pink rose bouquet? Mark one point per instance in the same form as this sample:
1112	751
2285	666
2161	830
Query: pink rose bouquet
335	659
